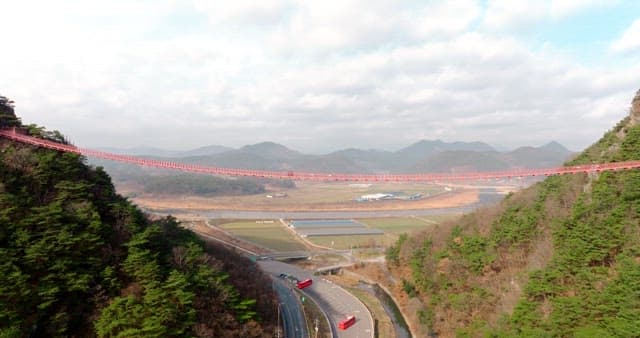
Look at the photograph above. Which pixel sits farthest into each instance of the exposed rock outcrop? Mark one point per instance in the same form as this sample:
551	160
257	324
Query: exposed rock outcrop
635	109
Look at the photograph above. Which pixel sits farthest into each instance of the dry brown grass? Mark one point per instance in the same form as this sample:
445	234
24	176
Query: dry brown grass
311	197
505	278
378	273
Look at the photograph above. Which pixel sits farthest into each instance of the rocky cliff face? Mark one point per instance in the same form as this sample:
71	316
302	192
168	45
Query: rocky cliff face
635	109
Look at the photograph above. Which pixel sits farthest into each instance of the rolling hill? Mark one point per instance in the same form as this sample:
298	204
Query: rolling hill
558	259
79	260
422	156
549	155
426	148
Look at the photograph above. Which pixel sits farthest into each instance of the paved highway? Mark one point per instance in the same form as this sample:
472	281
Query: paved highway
332	299
291	311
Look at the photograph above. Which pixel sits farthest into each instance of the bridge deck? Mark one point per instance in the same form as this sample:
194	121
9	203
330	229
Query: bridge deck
310	176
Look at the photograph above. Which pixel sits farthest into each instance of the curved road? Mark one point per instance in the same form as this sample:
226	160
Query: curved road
289	306
332	299
291	311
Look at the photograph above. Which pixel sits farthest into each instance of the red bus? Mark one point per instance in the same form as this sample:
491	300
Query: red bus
303	284
345	324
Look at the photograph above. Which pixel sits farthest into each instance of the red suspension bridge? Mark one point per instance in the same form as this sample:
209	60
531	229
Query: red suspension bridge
16	135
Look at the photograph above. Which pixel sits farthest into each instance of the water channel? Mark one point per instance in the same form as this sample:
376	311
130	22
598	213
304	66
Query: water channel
400	326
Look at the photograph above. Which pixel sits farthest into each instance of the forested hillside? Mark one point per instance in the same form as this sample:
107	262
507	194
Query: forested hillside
561	258
80	260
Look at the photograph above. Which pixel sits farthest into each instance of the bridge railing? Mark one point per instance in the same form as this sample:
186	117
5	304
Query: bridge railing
20	136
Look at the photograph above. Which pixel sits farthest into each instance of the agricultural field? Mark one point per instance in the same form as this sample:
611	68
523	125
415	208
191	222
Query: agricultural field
353	241
270	235
275	236
320	192
392	227
400	225
317	196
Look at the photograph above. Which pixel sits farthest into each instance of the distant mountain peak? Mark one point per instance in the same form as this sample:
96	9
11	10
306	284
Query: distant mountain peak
428	142
424	148
556	147
267	145
270	149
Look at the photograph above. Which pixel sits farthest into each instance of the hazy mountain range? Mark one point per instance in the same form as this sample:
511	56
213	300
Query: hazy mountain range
422	156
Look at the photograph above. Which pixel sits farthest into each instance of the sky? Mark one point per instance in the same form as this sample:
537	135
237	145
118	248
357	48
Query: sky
318	76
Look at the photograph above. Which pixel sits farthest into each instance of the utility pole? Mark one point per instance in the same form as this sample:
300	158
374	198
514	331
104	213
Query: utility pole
316	327
278	327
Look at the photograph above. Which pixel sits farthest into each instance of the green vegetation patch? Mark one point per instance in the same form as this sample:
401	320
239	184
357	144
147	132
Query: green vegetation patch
399	225
352	241
269	235
592	282
579	235
79	260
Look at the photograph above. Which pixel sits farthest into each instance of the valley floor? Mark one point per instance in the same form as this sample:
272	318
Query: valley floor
316	197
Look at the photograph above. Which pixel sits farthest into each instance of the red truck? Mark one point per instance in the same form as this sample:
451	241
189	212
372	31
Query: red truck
303	284
345	324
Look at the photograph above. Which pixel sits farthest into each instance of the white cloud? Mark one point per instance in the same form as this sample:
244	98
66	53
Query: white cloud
564	8
321	27
510	15
315	76
445	18
630	39
243	11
